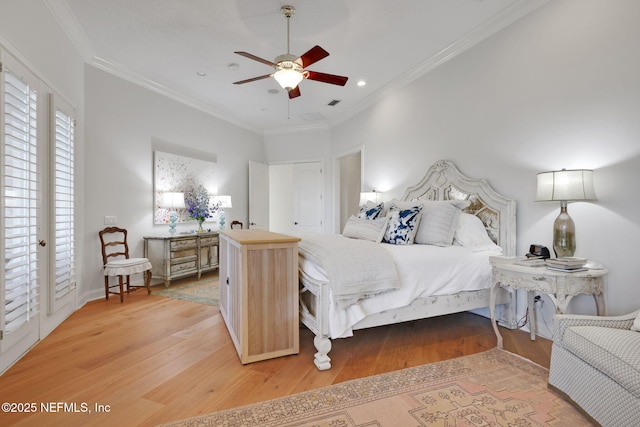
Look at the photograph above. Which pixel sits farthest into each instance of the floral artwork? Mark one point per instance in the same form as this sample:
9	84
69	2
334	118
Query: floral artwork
187	175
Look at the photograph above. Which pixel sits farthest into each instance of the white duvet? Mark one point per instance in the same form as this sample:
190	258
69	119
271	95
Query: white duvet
424	270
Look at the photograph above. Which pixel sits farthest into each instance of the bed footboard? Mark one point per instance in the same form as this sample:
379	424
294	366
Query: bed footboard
314	306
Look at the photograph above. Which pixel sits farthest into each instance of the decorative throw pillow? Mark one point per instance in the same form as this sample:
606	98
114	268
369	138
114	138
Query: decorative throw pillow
370	210
438	224
365	229
636	324
402	226
471	234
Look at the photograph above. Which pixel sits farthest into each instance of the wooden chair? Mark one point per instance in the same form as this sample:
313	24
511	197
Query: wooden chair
236	222
116	261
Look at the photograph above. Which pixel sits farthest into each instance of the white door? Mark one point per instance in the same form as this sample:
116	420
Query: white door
308	203
258	196
23	231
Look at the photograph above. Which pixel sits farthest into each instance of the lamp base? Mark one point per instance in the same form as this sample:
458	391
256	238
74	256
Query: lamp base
564	234
173	216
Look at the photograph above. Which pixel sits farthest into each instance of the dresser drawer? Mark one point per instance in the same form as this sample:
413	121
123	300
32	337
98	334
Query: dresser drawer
183	266
208	241
183	253
183	243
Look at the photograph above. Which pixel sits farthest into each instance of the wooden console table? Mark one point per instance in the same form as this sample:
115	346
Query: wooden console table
181	255
560	286
259	292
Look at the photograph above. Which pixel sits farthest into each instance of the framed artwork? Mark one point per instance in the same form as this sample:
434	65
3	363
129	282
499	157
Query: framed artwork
176	173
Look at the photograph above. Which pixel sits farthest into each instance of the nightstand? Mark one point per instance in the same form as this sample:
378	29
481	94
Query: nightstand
560	286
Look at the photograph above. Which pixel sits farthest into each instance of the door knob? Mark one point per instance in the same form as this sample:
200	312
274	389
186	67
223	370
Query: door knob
42	243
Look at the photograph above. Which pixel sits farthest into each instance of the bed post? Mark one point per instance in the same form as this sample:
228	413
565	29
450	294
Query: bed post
321	359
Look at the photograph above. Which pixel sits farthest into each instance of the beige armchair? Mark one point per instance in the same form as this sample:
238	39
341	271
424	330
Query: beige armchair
595	362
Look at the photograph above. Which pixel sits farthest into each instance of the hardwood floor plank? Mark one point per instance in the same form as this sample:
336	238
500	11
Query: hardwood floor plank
155	359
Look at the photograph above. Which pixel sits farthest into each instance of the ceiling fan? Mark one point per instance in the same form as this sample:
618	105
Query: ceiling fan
290	69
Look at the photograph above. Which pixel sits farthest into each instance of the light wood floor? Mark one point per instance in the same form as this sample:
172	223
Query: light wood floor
153	360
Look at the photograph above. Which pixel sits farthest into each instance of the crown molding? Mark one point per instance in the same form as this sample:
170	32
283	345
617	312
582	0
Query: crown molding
69	23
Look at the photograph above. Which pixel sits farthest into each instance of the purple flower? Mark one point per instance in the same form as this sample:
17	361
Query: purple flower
197	203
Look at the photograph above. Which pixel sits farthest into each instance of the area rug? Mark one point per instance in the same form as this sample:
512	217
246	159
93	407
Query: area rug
204	291
493	388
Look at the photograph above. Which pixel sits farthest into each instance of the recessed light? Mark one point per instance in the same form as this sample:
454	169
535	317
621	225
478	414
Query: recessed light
361	83
201	73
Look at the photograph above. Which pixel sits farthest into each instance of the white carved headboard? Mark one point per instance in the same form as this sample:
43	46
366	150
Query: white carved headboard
444	181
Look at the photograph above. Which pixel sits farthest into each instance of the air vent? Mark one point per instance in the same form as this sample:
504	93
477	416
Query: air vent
334	102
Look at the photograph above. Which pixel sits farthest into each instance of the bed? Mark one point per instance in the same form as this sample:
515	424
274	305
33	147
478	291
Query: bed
457	278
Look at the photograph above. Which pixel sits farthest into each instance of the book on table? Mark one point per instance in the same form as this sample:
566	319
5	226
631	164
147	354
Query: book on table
567	262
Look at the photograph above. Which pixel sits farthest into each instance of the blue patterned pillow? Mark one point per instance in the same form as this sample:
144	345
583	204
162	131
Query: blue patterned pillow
403	224
370	210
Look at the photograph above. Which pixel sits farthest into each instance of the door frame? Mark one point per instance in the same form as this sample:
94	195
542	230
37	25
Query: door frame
337	181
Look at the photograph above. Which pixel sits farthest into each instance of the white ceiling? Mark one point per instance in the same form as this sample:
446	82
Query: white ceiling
164	44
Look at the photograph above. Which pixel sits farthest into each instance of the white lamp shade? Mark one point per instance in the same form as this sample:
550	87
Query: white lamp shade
172	200
565	185
288	79
370	196
224	201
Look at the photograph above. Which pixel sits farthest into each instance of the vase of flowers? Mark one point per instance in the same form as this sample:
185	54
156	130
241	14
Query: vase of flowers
197	202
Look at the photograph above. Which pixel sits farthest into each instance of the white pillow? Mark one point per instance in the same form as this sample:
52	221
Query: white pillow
365	229
471	234
636	324
438	224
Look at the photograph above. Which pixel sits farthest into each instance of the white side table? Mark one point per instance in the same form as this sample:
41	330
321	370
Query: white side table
560	286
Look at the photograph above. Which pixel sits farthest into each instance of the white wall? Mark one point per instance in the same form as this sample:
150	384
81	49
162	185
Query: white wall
125	123
559	89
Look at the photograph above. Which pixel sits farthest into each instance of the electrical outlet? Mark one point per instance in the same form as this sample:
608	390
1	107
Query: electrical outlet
110	220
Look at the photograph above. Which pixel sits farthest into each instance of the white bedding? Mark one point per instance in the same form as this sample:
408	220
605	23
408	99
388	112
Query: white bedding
424	270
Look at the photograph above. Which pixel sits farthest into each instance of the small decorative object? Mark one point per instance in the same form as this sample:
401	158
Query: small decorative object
565	186
172	201
221	203
197	202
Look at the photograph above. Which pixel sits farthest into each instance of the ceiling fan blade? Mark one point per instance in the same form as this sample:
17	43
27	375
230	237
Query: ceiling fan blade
255	58
252	79
294	93
314	54
327	78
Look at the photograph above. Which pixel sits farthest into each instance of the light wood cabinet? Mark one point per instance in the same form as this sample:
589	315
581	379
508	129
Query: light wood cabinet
182	255
259	292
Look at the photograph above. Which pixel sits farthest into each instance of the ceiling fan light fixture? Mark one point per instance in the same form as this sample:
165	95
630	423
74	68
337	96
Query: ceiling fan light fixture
288	78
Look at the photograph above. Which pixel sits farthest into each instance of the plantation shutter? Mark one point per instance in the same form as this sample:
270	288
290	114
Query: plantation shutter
63	203
20	203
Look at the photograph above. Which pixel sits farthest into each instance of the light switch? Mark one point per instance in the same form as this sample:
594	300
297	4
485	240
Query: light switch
110	220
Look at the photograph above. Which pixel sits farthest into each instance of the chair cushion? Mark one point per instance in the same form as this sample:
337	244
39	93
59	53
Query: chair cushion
125	267
614	352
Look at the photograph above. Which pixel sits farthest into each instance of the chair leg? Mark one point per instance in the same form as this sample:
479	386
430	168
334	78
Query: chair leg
121	283
106	287
148	282
128	284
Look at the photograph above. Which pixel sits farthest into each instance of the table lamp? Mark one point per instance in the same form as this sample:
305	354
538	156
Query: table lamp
172	201
565	186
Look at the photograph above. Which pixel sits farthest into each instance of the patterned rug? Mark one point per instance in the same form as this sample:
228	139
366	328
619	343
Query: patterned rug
204	291
494	388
